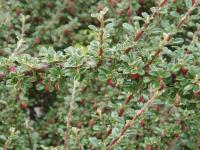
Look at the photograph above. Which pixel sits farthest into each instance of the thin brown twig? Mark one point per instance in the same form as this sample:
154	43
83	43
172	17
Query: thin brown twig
69	117
132	121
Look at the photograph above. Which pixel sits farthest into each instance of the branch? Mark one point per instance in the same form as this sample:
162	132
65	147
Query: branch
132	121
167	37
101	35
69	116
21	38
139	34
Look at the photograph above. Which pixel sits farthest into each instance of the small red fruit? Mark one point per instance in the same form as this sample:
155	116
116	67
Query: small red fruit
79	125
183	71
121	112
1	76
119	1
141	99
141	2
158	108
110	82
67	32
43	135
148	147
17	12
37	40
129	12
120	13
23	105
47	88
142	122
197	93
12	69
135	76
112	2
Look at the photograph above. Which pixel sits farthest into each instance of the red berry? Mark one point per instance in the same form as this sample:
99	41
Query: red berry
141	99
121	112
110	82
12	69
119	1
79	124
141	2
43	135
17	12
37	40
23	105
148	147
183	71
47	88
120	13
112	2
67	32
142	122
197	93
158	108
1	76
135	76
129	12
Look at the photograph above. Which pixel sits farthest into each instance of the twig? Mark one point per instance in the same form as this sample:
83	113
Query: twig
139	34
21	38
69	117
101	40
130	123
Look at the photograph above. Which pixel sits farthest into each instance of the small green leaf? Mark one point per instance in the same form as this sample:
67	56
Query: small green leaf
128	27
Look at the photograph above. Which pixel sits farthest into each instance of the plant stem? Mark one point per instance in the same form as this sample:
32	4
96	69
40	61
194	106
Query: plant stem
69	117
132	121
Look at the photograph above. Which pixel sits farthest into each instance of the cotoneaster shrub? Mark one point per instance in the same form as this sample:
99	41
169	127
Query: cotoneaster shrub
125	78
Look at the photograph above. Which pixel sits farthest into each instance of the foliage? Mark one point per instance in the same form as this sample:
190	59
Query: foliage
126	77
